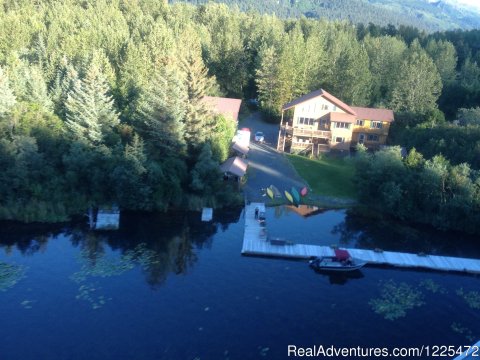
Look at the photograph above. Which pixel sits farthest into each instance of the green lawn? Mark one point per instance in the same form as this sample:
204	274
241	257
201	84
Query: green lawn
328	176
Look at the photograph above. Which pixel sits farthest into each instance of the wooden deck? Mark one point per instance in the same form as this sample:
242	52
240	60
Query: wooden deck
256	243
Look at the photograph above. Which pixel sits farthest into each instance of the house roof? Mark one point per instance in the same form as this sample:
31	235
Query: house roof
374	114
240	148
235	166
225	106
319	93
342	117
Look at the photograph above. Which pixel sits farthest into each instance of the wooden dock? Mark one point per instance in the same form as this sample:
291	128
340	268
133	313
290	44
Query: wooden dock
256	242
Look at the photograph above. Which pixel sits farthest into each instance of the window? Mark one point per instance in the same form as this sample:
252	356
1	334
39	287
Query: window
360	122
342	125
324	107
301	120
306	121
376	124
339	139
372	137
334	108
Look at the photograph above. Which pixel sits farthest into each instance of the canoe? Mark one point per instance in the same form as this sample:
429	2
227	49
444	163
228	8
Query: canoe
296	195
304	191
289	196
270	193
276	192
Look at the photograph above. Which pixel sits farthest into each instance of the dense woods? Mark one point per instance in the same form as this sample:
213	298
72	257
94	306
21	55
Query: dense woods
100	101
426	15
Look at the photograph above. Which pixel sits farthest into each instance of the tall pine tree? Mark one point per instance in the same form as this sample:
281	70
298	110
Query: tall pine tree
91	114
7	98
161	110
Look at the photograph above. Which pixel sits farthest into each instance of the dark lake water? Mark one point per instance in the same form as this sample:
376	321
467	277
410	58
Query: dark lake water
171	287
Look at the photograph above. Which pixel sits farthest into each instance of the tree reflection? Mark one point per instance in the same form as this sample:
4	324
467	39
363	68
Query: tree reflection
159	243
385	234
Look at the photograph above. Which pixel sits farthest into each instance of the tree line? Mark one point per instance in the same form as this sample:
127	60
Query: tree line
100	101
415	189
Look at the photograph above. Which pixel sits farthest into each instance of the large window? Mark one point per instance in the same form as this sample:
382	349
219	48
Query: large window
360	122
306	121
339	139
342	125
372	137
376	124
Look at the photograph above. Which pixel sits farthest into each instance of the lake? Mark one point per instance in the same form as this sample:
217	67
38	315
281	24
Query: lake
167	286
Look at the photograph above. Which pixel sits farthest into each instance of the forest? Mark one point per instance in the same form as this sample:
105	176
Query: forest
421	14
100	101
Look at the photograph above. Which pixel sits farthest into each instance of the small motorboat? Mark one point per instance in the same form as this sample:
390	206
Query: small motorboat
341	261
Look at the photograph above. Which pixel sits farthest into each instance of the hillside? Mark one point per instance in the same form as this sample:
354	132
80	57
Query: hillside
427	15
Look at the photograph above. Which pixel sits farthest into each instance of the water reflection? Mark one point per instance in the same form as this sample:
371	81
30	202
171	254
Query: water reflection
390	235
160	243
341	278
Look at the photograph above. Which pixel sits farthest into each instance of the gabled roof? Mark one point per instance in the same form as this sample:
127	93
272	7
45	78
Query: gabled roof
342	117
225	106
235	166
320	93
374	114
240	148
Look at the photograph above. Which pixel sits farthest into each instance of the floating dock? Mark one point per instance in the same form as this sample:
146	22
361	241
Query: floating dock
257	243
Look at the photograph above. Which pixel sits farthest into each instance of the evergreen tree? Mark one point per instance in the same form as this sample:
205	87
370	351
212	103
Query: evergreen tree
162	109
63	85
445	58
418	85
91	115
198	118
7	99
268	84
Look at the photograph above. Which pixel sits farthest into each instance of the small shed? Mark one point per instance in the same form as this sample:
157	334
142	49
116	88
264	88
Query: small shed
108	218
207	214
235	166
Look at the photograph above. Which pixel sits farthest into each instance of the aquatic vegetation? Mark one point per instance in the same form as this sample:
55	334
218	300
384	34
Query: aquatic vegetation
472	298
432	286
27	304
106	267
87	292
103	267
396	299
10	275
460	329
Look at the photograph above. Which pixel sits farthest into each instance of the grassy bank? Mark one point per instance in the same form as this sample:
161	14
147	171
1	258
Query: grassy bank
327	176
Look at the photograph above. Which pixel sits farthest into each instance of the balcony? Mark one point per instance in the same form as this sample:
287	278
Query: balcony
369	130
308	132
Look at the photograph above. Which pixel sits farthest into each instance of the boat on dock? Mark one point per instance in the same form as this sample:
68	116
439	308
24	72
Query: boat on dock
304	191
288	196
270	192
296	195
341	261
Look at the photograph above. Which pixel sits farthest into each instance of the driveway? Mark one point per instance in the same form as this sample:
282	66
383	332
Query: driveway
265	165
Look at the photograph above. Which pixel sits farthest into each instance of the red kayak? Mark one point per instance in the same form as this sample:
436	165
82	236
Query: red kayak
304	191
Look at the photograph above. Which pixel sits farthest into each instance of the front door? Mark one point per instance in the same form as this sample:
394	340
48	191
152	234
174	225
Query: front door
361	138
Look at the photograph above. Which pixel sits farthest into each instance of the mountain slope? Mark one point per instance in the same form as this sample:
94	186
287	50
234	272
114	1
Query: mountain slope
430	15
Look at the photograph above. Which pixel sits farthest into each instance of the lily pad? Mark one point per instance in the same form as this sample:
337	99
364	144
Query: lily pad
472	298
10	275
396	299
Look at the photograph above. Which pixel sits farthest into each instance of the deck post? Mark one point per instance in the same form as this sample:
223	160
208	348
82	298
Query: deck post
279	132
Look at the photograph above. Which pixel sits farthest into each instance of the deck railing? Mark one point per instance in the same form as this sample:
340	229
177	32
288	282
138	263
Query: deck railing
307	132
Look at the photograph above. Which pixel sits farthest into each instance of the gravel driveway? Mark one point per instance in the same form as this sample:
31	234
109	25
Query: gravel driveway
265	165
